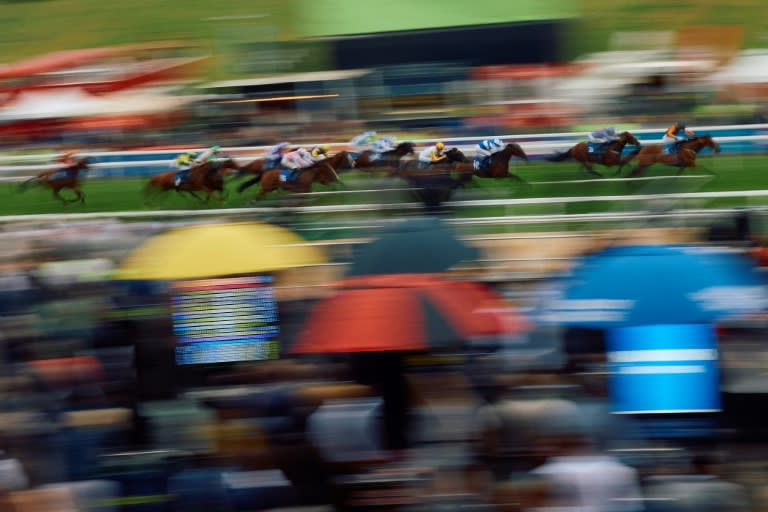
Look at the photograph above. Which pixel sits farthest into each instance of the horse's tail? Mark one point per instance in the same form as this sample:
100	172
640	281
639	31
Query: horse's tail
560	156
247	184
150	190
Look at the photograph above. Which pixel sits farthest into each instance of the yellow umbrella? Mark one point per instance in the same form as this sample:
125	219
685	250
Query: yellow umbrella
214	250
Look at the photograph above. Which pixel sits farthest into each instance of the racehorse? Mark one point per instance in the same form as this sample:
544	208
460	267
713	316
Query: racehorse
252	167
497	168
322	172
610	156
685	156
387	160
342	159
59	179
207	177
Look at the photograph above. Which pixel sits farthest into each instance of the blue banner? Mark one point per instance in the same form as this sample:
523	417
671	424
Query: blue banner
664	369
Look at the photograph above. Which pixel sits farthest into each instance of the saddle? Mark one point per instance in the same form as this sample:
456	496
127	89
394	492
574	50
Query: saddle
61	174
672	149
596	148
481	163
289	176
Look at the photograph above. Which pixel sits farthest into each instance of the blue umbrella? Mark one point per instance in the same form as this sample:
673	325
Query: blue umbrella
657	284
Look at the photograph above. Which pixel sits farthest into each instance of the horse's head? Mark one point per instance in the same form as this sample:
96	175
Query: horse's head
708	142
341	160
81	164
455	155
628	138
226	167
405	148
326	175
514	149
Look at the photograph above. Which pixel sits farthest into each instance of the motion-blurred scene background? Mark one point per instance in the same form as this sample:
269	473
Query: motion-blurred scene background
255	71
545	333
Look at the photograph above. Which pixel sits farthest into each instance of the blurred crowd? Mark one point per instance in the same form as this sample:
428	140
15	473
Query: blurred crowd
95	416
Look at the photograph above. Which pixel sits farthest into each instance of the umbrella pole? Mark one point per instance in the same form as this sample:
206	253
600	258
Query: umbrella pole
385	371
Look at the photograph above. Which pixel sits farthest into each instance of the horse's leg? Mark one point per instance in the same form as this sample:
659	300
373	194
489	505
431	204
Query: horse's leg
209	193
591	170
192	193
707	169
80	195
637	171
151	192
516	178
57	195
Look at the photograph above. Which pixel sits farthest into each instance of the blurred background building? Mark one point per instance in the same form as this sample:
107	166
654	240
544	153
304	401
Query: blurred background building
263	71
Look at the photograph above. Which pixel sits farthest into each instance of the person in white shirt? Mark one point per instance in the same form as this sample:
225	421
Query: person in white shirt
587	481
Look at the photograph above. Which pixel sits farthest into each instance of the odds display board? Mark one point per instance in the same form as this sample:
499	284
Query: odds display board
664	369
225	320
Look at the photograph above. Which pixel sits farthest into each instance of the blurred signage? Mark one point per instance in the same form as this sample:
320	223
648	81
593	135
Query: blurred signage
225	320
664	369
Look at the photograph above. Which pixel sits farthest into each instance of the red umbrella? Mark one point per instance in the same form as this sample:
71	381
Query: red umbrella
405	312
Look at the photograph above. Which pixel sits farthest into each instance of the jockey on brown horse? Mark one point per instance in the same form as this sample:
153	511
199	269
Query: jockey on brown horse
683	157
188	161
300	179
604	147
271	160
62	177
207	177
497	165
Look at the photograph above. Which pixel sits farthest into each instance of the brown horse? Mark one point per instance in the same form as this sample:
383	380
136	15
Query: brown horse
610	156
410	168
685	156
59	179
497	168
387	160
322	172
341	160
208	178
253	167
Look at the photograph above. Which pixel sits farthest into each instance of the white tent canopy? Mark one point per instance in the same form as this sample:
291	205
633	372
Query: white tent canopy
750	66
72	102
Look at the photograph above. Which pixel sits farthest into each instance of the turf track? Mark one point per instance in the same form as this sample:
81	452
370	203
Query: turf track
545	180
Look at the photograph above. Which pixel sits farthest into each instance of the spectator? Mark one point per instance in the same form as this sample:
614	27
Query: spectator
701	491
590	481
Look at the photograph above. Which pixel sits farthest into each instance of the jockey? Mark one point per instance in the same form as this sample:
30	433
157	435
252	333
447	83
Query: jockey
384	144
184	160
362	141
598	138
319	152
183	163
66	159
486	148
296	160
207	156
674	135
431	155
275	155
63	163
